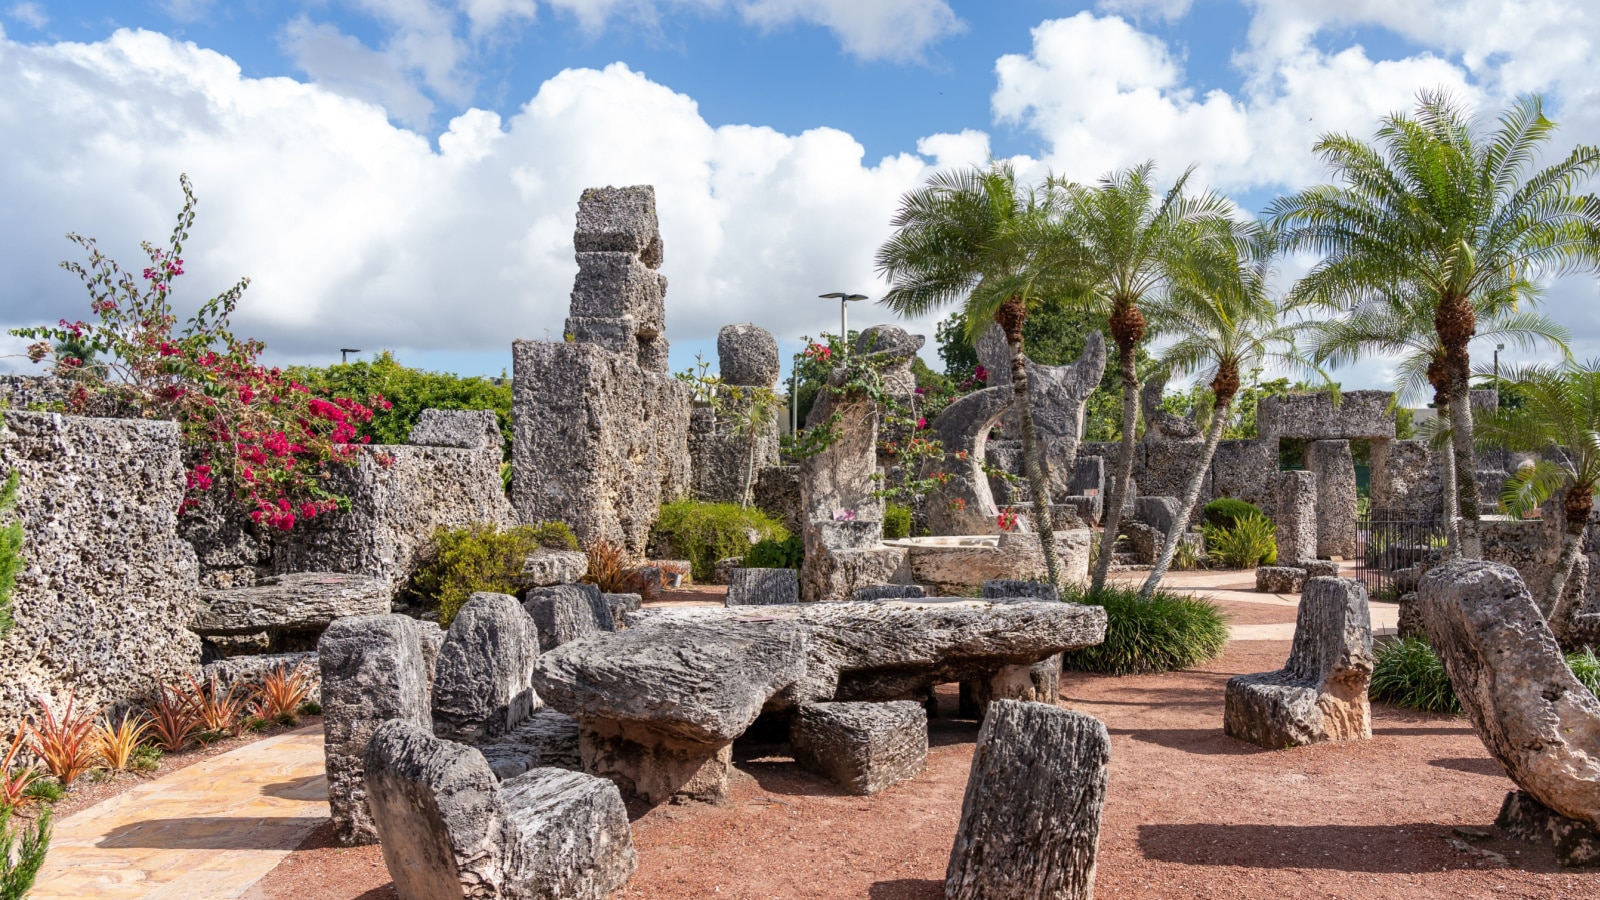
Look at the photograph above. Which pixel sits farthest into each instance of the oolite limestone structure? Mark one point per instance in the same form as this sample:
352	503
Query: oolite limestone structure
601	436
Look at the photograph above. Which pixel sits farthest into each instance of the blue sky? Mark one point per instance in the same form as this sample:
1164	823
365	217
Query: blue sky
402	173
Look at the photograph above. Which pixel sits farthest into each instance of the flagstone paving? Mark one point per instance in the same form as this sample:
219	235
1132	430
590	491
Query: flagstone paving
205	832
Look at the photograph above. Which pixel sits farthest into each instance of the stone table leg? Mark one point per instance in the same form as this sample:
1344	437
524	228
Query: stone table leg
655	767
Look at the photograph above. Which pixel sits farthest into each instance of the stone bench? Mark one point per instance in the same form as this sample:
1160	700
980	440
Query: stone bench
293	610
877	592
1321	692
449	828
1280	580
861	747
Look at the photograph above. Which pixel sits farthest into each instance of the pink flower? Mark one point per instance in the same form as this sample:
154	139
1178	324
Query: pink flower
922	422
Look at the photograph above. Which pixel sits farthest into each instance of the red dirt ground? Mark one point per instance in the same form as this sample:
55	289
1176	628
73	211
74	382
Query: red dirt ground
1190	814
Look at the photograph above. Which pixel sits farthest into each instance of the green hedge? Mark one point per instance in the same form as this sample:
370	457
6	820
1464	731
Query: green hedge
1224	512
788	553
896	522
462	561
1162	633
1407	672
704	533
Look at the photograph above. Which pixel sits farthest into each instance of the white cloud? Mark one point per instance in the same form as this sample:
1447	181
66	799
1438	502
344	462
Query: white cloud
1161	10
28	14
358	233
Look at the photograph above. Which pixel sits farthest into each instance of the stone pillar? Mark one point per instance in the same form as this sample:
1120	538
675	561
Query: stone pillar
1335	469
1297	517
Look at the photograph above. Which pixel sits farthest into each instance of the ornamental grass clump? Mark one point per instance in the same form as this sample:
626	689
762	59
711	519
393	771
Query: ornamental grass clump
704	533
612	572
1407	672
460	562
1251	541
1161	633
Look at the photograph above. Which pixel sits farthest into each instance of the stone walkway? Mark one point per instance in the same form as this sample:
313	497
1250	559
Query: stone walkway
204	832
1240	587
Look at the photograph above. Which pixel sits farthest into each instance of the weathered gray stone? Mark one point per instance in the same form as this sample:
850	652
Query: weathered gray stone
1296	515
1246	470
835	574
1406	478
1056	397
1523	817
1318	568
480	685
1280	579
545	568
450	829
722	572
1335	469
1018	589
245	672
747	355
1358	415
862	747
1528	708
763	587
1160	425
963	567
660	703
777	493
567	612
616	299
724	457
1146	541
599	442
620	606
964	502
372	672
1087	509
620	220
1320	694
399	495
877	592
1157	512
305	601
545	739
467	429
107	587
1030	818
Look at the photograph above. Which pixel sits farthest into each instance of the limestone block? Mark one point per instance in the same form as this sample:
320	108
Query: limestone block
372	672
566	835
620	606
1296	515
964	502
1017	589
1157	512
1280	579
828	574
1088	474
545	739
1405	478
724	459
1030	818
962	569
1318	568
306	601
1166	468
566	612
467	429
862	747
599	442
1162	426
1087	509
619	220
1247	470
1528	708
1321	692
747	355
613	285
107	586
1523	817
777	493
545	568
1147	542
480	685
1336	497
879	592
1359	415
763	587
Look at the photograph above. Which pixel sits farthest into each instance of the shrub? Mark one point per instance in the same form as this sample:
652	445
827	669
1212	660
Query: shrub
1161	633
896	521
706	532
1408	673
1224	512
1252	541
22	854
788	553
462	561
611	572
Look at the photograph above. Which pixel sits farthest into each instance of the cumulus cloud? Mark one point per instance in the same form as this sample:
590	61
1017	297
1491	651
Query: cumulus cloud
359	233
1161	10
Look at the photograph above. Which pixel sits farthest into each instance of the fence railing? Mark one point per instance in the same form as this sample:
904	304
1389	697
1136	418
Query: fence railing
1388	541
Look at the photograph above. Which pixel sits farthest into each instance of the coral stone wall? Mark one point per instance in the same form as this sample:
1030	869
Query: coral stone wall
108	587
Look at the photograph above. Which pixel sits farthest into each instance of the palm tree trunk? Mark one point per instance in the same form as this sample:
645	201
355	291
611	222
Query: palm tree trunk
1447	492
1579	503
1034	464
1191	496
1455	322
749	473
1123	469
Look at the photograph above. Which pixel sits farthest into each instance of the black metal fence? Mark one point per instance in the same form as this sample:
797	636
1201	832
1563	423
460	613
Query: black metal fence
1389	540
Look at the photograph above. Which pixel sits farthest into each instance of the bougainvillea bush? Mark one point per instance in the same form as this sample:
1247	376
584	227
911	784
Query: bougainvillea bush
244	424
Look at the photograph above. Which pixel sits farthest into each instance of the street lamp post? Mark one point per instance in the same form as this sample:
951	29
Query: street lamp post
844	329
344	354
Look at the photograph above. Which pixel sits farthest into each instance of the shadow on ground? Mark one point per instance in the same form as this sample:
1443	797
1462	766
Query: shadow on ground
213	833
907	889
1342	848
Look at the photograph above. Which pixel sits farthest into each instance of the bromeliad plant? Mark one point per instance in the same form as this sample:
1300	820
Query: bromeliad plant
173	720
245	424
66	744
15	780
281	694
117	742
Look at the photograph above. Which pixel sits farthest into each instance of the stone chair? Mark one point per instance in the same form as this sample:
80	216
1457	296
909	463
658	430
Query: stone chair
1321	692
450	829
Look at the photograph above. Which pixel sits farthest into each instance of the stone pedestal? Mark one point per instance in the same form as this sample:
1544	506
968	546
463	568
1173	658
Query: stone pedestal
654	766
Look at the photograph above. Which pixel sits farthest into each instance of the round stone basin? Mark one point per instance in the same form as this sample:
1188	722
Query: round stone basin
960	564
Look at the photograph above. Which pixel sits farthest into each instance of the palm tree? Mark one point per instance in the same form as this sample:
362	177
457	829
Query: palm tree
1121	245
1399	324
1558	417
967	236
1456	215
1219	328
